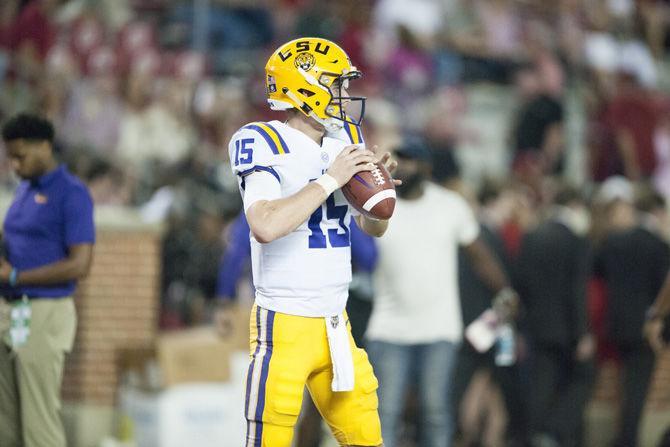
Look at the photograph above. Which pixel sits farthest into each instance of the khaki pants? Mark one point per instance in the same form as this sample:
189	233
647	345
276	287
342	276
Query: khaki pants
30	377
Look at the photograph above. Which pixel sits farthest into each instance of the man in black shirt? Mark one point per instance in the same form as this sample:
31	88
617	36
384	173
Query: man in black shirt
476	297
537	133
539	121
633	264
553	269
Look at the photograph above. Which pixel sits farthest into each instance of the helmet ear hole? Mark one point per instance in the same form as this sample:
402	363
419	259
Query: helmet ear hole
306	93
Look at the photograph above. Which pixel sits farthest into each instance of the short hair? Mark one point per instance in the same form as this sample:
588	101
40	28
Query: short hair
649	199
27	126
489	191
567	194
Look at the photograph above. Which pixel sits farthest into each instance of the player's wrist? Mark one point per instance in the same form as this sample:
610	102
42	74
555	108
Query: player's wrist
328	183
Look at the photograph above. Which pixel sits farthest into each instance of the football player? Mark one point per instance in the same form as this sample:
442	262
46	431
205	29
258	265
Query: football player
290	174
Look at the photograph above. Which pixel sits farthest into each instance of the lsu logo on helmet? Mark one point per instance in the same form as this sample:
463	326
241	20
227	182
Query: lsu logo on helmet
305	61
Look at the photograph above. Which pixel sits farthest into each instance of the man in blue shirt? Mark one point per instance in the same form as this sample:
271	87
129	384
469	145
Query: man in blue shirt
48	239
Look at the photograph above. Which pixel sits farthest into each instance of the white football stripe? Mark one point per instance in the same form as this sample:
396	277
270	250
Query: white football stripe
258	365
374	200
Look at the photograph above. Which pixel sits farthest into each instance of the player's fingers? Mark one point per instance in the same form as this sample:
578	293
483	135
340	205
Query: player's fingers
392	166
375	148
359	152
351	158
363	167
397	182
348	150
384	158
362	158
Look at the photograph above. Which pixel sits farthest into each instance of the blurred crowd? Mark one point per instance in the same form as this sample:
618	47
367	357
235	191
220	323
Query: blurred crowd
145	95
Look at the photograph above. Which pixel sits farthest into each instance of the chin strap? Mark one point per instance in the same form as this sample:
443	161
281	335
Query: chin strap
331	124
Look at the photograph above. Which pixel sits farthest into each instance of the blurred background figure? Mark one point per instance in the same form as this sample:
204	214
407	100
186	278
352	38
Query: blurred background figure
48	240
538	132
415	328
633	263
486	395
552	273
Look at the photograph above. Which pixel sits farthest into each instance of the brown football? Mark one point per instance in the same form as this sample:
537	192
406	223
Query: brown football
372	193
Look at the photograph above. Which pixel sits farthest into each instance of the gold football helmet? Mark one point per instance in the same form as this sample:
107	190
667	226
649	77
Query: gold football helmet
310	74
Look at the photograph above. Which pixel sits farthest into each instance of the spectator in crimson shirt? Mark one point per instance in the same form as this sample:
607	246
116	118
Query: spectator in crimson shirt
35	27
631	117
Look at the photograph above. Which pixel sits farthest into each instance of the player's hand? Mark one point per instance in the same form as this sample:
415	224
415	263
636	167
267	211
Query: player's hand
586	348
506	304
5	270
653	332
389	163
350	161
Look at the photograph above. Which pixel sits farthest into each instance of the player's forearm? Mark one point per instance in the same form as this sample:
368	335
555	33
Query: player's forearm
58	272
272	219
662	304
486	265
75	266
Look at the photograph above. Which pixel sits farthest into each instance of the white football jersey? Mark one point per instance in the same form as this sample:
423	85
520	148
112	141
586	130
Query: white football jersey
308	271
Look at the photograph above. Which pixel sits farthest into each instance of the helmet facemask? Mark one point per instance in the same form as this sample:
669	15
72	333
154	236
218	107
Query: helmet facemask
342	106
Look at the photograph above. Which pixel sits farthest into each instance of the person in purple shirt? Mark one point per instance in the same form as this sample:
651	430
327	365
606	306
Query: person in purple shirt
48	238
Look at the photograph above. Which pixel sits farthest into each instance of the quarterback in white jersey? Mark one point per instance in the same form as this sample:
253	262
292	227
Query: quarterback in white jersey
290	174
307	272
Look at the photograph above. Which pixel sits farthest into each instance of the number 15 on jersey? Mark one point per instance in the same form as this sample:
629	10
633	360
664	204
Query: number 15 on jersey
317	238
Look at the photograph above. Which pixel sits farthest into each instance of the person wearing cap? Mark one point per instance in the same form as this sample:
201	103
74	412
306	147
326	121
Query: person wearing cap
48	241
552	271
633	263
416	324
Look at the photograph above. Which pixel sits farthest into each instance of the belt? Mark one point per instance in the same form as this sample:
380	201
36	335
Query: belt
13	298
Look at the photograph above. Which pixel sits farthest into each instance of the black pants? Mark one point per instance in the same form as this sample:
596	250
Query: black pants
507	378
638	365
560	387
359	311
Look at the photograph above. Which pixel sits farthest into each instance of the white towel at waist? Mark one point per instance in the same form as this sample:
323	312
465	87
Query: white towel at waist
340	353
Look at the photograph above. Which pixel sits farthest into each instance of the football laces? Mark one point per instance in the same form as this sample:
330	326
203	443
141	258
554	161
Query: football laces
378	176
